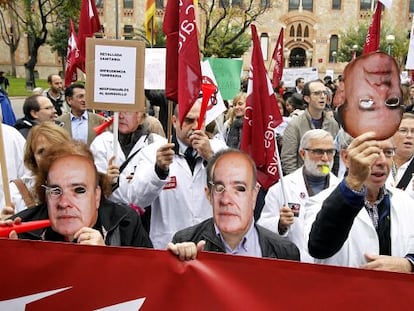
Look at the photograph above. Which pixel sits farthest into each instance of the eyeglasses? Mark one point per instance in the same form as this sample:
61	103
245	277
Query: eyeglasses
236	189
48	108
367	103
388	152
404	131
321	152
56	192
319	93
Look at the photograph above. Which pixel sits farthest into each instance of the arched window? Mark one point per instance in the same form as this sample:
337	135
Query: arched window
333	49
99	3
292	31
299	31
411	6
306	32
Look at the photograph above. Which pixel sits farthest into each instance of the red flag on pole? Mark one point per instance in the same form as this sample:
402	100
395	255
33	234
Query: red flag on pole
183	70
372	39
71	56
278	58
261	118
88	25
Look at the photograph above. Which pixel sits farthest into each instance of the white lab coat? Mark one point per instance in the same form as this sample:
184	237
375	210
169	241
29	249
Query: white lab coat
14	144
363	238
102	148
296	192
177	202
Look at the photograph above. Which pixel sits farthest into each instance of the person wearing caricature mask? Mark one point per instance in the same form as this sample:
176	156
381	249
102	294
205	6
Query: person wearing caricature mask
172	176
317	151
370	96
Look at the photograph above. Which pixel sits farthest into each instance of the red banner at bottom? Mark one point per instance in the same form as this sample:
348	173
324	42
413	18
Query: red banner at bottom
58	276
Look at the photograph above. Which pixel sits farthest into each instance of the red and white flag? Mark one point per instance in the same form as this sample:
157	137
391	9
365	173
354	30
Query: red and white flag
183	71
372	39
88	25
72	56
278	58
261	118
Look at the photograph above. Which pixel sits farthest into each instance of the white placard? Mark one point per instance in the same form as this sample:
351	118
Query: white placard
154	78
115	74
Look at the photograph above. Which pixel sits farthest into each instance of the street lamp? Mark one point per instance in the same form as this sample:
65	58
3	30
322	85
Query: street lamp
264	44
334	54
390	39
354	51
309	54
286	55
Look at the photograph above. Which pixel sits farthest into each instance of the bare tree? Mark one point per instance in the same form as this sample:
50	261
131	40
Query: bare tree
35	16
10	30
223	22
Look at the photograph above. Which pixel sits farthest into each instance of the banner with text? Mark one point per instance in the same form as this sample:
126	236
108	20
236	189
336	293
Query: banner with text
59	276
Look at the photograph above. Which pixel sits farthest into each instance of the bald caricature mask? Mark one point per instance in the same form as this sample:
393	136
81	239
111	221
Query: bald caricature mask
370	97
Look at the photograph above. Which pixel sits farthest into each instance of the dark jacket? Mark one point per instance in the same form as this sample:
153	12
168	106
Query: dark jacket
119	224
272	245
24	125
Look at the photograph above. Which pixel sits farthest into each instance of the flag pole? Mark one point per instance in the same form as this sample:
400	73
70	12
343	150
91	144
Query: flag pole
169	123
4	174
281	178
116	113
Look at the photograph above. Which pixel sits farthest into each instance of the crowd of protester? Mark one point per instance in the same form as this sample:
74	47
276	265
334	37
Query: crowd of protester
345	201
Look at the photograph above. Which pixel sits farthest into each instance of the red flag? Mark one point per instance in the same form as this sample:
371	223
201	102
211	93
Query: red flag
88	25
261	118
372	40
72	56
183	70
278	58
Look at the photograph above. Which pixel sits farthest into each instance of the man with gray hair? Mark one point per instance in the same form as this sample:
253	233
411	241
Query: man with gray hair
362	205
284	213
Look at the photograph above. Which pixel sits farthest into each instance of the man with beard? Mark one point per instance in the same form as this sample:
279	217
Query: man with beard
55	93
317	151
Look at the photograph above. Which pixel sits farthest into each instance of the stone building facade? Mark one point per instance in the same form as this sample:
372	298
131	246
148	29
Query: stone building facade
312	29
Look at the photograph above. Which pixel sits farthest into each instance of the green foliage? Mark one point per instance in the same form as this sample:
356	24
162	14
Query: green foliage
220	43
59	33
356	35
160	39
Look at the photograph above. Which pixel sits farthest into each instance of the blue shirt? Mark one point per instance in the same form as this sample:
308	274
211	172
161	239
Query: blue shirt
248	246
80	127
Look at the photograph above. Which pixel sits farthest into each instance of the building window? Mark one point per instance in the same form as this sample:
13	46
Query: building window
333	49
336	4
411	6
293	5
128	4
299	31
292	31
367	4
307	5
306	32
159	4
99	3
